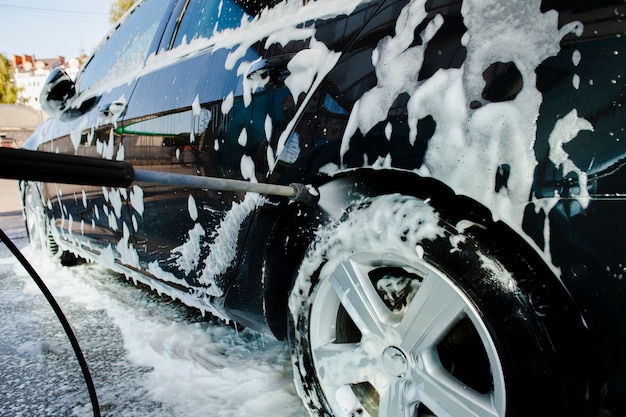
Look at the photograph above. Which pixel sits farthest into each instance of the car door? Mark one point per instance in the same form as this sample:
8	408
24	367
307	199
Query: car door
213	102
90	125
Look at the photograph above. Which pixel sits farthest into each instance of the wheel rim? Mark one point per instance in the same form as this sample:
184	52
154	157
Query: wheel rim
392	337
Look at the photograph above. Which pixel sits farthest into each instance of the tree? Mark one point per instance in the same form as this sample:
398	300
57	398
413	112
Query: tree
8	91
118	8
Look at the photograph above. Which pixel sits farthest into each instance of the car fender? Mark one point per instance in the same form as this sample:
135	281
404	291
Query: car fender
295	229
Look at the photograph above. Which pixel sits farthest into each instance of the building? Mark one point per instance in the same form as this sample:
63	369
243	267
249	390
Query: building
30	74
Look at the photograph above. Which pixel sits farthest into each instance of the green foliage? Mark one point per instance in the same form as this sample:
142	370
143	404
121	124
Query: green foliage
8	91
118	8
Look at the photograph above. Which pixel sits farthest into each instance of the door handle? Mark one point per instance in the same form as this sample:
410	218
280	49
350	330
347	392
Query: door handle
274	68
113	109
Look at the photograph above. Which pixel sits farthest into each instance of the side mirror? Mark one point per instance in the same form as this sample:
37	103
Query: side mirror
57	93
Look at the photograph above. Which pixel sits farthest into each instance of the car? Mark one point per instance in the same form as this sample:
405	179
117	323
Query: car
462	250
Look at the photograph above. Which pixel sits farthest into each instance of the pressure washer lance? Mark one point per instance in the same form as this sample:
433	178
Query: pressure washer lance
296	192
28	165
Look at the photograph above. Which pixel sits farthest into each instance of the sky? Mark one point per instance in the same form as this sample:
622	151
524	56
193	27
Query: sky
49	28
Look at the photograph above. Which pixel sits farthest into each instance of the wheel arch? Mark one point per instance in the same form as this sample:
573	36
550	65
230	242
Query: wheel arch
295	231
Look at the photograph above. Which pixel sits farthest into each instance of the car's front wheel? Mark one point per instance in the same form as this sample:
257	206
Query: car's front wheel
397	313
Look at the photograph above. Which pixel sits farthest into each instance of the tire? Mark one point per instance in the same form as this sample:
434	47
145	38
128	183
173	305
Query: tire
36	222
395	312
38	229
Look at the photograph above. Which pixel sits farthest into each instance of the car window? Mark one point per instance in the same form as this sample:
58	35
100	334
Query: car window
127	47
203	18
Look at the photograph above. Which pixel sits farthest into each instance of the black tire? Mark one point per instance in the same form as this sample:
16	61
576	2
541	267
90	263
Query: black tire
397	313
36	222
38	229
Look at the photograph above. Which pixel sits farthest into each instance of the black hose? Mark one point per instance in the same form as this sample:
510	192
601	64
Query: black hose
66	325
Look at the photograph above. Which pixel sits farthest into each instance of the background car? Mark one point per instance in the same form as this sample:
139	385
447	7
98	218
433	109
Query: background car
465	255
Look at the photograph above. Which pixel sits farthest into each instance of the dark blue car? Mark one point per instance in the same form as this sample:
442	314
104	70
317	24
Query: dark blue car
465	250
